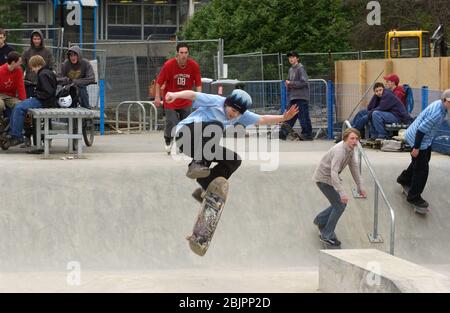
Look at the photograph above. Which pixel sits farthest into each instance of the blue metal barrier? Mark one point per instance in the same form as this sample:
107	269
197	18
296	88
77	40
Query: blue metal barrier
102	106
424	97
330	105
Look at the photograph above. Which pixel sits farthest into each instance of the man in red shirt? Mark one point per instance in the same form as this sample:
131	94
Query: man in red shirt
177	74
392	83
12	88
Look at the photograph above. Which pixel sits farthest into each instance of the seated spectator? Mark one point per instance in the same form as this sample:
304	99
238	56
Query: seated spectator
78	71
45	97
12	88
390	110
361	119
392	83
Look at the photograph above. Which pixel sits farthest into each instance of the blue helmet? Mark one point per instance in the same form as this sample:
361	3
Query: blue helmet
239	100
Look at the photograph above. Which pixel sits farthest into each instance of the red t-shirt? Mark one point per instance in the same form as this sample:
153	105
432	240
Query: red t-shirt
178	79
11	83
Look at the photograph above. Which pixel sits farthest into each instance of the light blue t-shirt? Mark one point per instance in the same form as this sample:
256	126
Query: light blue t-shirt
211	108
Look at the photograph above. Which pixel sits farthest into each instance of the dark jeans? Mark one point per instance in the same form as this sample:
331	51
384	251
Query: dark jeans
360	120
194	141
173	117
84	97
29	89
303	117
329	217
416	174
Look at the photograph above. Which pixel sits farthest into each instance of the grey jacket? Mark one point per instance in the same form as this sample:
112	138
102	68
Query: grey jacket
81	73
298	87
332	164
32	51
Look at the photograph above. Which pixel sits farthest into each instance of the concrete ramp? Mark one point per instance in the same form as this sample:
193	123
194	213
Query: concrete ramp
132	211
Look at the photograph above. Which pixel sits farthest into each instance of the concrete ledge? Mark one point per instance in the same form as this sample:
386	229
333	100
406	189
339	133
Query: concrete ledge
375	271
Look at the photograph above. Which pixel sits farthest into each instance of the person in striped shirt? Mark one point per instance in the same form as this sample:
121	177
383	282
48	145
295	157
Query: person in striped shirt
420	136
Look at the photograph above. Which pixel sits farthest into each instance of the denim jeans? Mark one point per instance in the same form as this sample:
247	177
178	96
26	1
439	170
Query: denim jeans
18	115
360	120
379	118
303	117
329	217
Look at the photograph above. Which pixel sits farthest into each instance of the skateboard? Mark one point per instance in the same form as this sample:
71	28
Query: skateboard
374	144
423	211
209	215
291	133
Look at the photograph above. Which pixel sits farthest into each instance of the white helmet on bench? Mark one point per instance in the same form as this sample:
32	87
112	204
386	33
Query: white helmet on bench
65	102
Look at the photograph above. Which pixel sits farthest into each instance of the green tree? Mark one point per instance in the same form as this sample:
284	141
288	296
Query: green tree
11	17
273	26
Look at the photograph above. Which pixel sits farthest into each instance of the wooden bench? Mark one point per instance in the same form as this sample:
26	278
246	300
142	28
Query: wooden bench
72	114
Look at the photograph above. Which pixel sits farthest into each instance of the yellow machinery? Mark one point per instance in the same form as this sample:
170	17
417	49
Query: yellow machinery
407	44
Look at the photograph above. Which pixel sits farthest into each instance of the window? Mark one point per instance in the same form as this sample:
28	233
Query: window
405	47
124	14
34	12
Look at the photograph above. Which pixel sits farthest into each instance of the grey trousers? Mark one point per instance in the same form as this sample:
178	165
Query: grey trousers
173	117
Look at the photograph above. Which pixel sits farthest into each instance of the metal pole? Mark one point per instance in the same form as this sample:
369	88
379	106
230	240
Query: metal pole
424	97
136	78
220	55
102	107
375	212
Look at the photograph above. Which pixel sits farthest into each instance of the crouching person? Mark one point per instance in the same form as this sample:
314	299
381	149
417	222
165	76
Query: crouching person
327	179
45	98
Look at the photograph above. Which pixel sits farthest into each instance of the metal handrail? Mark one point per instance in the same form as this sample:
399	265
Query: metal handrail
375	237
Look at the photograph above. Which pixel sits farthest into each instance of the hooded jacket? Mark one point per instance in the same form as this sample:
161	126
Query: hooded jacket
81	73
46	87
389	102
30	76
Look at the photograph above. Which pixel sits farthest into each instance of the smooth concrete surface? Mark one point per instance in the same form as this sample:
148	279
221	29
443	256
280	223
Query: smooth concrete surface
370	270
127	208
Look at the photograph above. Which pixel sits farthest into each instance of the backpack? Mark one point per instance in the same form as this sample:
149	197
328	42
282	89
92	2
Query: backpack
409	98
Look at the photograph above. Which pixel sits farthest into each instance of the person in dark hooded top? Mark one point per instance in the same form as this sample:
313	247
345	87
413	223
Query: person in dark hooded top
37	47
78	71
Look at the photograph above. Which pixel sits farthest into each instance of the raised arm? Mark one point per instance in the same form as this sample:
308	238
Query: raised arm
185	94
274	119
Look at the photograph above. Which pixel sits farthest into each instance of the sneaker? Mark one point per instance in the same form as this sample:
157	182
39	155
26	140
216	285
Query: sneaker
26	143
13	141
199	194
168	146
197	169
306	137
330	242
419	202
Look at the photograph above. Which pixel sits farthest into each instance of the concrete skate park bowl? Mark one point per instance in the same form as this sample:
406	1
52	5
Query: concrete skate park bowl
117	221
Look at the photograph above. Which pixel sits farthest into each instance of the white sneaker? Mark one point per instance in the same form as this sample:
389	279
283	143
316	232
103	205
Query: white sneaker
168	148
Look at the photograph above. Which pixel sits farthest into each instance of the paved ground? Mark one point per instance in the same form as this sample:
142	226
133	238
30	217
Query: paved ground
122	214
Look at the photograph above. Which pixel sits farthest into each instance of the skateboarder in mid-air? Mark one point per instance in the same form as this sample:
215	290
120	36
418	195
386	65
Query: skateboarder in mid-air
198	135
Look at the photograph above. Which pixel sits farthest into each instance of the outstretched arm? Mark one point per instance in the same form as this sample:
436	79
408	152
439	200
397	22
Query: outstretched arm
185	94
273	119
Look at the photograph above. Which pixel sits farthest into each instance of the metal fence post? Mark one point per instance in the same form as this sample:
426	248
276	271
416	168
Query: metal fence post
283	97
102	106
375	237
425	93
330	105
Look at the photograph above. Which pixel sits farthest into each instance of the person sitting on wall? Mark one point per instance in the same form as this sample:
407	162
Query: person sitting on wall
392	83
361	119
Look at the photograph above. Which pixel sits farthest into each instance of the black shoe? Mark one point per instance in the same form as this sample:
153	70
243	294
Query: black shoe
402	182
14	141
330	242
306	137
419	202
